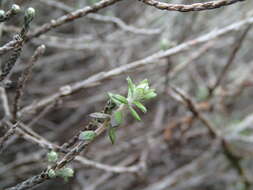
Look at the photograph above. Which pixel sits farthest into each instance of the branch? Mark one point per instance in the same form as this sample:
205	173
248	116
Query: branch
231	157
23	79
237	45
60	21
102	18
188	8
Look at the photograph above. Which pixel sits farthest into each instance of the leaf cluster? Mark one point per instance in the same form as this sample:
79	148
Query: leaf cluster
136	95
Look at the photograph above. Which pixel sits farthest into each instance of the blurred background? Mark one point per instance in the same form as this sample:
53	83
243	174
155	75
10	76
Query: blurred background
171	148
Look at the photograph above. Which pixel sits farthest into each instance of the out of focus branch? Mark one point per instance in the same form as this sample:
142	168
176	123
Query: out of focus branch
236	48
95	79
232	158
102	18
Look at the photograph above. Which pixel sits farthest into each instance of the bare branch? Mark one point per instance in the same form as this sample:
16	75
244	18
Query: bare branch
187	8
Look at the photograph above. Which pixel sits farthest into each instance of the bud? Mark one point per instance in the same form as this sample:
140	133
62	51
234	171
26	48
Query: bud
131	87
139	93
42	48
87	135
15	8
164	44
143	84
51	173
52	156
29	14
66	90
2	13
65	173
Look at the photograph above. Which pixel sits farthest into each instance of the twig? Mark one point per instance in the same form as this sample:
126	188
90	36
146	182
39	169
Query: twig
232	158
107	175
15	9
7	136
10	63
187	8
176	175
102	18
235	50
20	38
23	79
5	103
108	168
60	21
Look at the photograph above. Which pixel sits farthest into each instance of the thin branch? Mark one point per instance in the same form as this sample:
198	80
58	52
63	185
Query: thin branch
195	164
60	21
15	9
192	7
108	168
20	38
230	61
5	103
7	136
102	18
23	79
232	158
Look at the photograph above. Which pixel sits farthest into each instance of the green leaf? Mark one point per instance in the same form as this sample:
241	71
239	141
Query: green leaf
114	99
134	114
143	84
118	99
99	115
150	95
87	135
112	134
131	87
139	94
118	117
140	106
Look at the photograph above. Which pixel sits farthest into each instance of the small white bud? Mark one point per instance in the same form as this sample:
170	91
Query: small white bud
164	44
68	172
66	90
51	173
15	8
2	13
30	12
43	47
52	156
65	173
53	21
